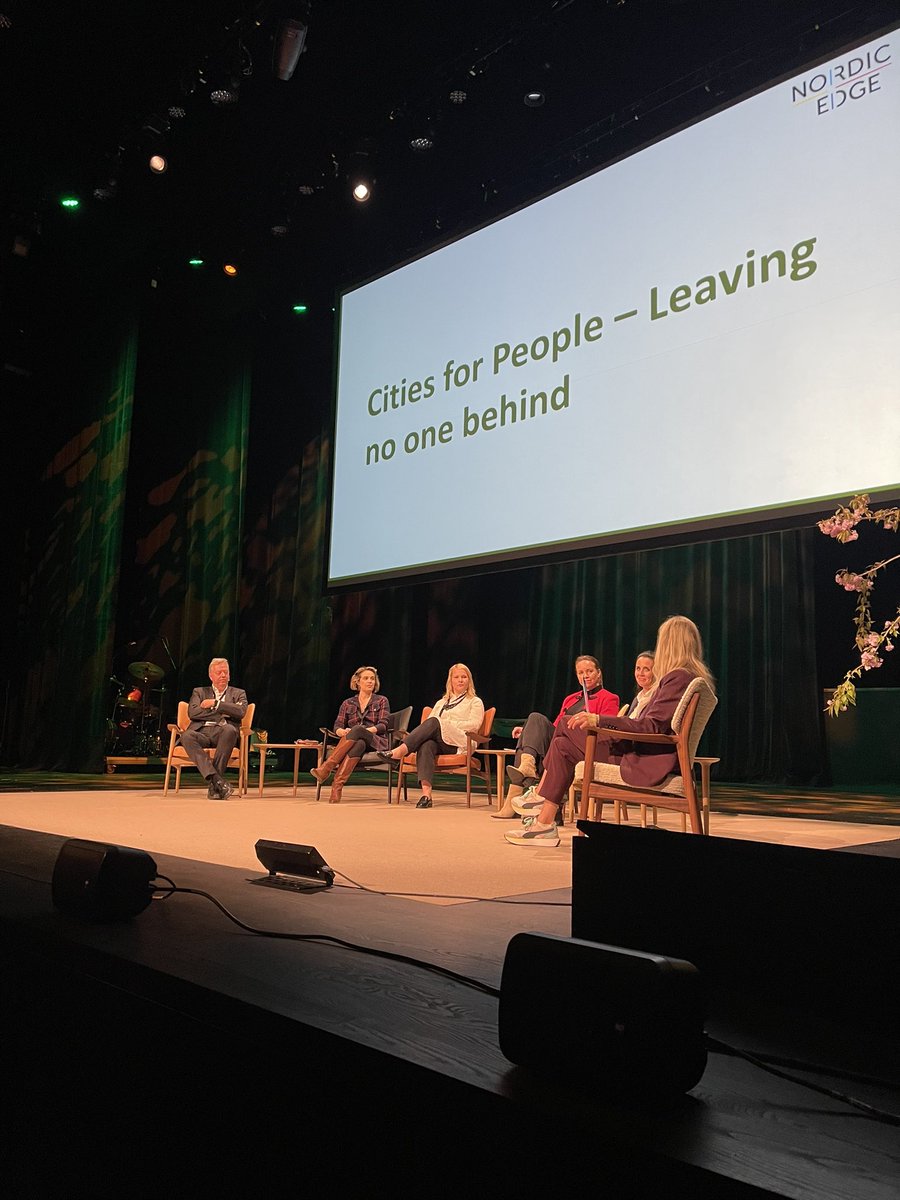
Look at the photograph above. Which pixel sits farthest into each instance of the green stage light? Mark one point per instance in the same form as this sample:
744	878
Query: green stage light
195	262
299	308
70	202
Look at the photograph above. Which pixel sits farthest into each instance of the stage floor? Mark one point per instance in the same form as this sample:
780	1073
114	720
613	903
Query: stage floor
448	851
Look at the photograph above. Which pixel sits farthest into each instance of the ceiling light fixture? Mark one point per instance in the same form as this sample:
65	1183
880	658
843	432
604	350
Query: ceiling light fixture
158	164
533	99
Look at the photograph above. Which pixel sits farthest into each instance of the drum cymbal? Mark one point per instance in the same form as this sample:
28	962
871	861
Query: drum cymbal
145	670
128	704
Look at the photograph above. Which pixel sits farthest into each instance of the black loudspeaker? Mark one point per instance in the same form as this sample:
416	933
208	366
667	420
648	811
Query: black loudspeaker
100	882
294	868
620	1020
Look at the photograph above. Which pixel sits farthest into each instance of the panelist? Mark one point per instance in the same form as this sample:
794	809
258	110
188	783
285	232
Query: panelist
678	659
362	724
535	736
644	678
458	712
215	715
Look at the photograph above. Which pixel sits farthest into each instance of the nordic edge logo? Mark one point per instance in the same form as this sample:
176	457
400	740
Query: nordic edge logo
853	79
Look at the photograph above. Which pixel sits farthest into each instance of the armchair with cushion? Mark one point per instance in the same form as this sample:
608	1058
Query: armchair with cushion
463	763
676	792
178	758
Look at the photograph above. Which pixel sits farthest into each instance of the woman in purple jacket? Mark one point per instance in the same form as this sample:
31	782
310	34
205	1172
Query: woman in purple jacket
678	660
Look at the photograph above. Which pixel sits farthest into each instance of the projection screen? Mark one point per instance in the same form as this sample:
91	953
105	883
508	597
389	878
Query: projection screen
702	334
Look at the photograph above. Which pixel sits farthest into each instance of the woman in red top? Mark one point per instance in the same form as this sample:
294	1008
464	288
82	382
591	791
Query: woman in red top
535	736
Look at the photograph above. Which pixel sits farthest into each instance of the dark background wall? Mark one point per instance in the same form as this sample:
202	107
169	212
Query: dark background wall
167	453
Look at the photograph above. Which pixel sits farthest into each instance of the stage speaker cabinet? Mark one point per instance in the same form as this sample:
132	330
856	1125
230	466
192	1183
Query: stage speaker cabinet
99	882
611	1019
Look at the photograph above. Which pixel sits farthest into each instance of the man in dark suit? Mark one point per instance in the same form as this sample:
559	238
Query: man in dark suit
215	715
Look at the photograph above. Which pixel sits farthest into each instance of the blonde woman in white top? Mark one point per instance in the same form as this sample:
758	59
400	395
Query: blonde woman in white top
458	712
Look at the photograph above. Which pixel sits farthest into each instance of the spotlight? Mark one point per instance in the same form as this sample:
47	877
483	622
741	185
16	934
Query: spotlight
299	308
423	143
195	262
226	97
70	202
279	229
176	112
533	99
289	45
158	164
359	172
458	96
230	269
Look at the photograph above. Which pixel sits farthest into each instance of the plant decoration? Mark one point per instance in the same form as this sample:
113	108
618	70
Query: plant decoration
870	643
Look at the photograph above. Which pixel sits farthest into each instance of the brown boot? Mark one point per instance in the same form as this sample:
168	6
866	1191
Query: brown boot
334	760
507	812
345	770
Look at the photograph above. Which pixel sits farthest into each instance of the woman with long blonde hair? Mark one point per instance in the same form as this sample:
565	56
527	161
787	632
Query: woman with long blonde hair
458	712
678	658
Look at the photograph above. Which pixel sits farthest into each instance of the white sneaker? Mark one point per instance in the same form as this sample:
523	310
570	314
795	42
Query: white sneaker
534	835
528	803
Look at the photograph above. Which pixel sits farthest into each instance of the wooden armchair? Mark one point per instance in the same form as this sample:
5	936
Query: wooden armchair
464	763
676	792
178	758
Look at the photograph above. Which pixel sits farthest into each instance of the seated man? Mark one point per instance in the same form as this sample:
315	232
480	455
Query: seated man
535	736
215	715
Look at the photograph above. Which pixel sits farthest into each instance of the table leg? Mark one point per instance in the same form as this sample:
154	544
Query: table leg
296	766
262	768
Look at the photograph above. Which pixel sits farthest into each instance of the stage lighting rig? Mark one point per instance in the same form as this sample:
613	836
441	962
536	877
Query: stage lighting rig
290	43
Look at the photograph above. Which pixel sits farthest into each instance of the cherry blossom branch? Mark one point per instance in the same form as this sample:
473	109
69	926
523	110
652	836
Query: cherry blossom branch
869	642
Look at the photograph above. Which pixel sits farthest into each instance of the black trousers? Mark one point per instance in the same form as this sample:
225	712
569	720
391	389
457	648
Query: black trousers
196	741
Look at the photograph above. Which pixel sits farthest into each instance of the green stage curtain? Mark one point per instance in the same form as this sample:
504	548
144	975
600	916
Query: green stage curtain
519	631
75	517
182	585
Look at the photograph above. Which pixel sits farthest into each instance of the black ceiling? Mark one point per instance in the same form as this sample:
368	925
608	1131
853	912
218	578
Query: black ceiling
79	82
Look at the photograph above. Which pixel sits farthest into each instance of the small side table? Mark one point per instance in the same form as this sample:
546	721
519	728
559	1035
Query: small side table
297	746
501	756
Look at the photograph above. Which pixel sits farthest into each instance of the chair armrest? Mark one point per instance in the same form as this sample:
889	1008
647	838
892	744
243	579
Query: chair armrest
476	739
174	728
660	739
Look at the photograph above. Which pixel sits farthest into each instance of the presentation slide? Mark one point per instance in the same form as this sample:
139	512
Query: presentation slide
704	333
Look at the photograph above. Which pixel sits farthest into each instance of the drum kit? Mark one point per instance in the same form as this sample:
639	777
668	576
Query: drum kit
135	726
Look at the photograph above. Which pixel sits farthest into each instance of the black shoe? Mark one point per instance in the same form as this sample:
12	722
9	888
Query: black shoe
220	789
514	775
212	791
386	756
425	802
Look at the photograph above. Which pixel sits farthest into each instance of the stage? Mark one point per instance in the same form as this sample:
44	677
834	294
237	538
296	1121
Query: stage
448	849
177	1053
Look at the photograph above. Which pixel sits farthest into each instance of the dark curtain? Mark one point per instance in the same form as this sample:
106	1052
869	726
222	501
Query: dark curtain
181	595
520	631
74	516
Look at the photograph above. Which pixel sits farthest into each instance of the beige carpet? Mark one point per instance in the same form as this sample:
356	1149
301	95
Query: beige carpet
448	849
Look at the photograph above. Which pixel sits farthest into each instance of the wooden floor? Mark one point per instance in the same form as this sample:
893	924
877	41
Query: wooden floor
451	849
